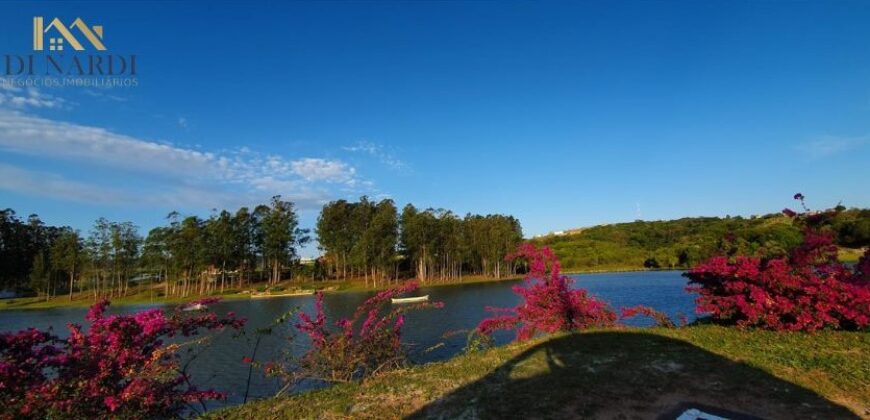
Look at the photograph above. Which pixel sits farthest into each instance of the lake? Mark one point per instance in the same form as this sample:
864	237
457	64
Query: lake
219	365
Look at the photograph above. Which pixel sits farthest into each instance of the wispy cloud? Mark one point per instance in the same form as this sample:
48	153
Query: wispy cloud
24	181
831	145
180	195
379	152
21	98
313	169
103	95
190	177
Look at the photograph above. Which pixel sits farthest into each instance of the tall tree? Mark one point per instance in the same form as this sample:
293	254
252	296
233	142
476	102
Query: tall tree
99	248
156	255
223	242
40	274
334	233
125	252
281	235
246	229
380	239
66	255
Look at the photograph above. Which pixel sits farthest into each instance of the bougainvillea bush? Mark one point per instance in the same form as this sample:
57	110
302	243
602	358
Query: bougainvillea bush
119	367
352	348
549	303
807	290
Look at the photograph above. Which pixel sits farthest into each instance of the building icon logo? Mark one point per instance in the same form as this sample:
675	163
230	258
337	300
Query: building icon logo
59	35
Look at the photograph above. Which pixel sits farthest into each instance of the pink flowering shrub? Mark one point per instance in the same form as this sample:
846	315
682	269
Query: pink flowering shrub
549	302
367	343
119	367
807	290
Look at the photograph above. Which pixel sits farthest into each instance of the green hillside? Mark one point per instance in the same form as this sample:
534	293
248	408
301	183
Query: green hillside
684	242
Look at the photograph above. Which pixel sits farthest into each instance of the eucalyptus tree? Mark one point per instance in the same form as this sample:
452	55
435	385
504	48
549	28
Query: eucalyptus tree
40	274
223	243
156	254
451	245
188	247
99	248
362	238
333	231
247	232
413	239
281	235
125	252
67	255
380	238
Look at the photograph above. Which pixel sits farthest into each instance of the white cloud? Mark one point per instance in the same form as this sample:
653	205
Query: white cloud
190	177
313	169
831	145
42	137
104	95
20	98
378	151
39	183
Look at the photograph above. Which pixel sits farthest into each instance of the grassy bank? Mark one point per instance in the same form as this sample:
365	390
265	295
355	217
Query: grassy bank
146	295
613	373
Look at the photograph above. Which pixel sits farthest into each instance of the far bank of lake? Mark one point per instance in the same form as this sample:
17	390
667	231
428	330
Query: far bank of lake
152	295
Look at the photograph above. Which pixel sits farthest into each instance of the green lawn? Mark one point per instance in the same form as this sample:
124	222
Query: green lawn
613	373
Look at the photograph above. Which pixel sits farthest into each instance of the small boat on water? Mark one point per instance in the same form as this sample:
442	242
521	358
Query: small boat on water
273	295
411	299
194	307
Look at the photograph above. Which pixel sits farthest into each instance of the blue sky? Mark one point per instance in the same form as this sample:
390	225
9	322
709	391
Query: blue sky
562	114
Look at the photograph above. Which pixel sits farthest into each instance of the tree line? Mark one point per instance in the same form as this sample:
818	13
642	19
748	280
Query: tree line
190	255
373	240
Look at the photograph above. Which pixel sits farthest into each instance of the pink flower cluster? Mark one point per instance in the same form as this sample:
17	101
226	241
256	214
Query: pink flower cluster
118	367
807	290
348	352
550	304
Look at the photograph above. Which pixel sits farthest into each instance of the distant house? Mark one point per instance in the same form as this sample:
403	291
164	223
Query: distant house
307	261
8	294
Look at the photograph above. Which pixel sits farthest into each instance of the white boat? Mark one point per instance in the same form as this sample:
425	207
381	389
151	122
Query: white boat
194	307
411	299
269	295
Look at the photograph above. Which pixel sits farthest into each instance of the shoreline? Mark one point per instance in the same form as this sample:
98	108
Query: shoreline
338	286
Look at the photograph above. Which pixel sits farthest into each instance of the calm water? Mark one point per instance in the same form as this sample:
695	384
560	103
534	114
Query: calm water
219	365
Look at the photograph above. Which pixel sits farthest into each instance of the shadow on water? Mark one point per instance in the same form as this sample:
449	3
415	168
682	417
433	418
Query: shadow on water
628	375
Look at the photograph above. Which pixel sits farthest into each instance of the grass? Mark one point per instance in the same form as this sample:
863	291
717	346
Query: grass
612	373
850	255
151	295
87	299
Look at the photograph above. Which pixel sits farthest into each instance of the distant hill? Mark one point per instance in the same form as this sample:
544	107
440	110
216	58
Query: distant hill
684	242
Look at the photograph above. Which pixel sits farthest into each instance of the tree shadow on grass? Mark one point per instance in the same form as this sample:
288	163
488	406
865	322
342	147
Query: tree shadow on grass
628	375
